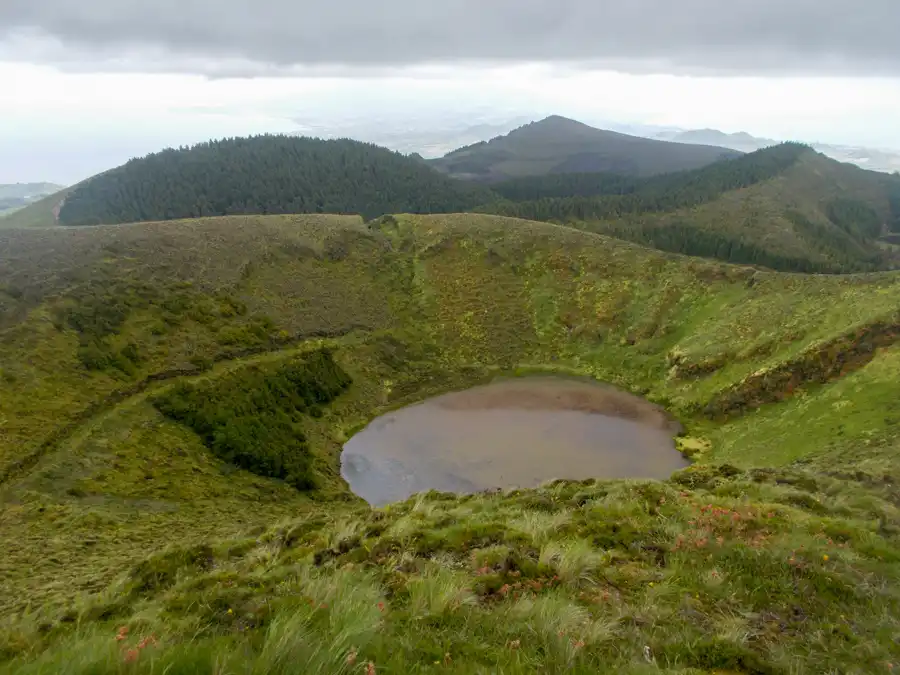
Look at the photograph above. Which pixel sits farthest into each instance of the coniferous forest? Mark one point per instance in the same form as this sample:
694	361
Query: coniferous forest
615	205
561	197
253	419
267	175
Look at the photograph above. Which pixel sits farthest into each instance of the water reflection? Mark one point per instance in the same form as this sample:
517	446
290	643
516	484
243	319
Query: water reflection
512	433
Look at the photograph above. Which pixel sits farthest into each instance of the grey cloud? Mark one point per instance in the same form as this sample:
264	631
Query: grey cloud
221	37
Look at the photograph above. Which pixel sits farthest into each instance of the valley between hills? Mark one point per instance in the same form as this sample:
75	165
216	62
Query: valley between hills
175	394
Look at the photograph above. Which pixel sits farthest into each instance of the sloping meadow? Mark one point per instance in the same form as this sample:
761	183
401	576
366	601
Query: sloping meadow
762	368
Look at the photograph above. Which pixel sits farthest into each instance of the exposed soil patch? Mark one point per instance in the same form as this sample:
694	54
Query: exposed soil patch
558	393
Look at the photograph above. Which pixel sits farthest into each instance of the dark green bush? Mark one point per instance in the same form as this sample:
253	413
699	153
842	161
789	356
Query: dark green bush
253	418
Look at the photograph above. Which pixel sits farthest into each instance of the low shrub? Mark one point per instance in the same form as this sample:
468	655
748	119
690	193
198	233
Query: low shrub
253	418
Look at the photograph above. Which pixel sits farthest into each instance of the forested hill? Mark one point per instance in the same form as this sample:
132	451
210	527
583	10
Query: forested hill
565	195
786	207
593	196
270	174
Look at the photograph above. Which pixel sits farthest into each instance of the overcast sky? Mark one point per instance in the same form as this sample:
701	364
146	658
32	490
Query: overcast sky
86	85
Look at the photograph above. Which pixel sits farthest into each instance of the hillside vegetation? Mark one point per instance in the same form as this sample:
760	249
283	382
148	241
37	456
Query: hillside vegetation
560	145
784	207
143	533
565	196
265	175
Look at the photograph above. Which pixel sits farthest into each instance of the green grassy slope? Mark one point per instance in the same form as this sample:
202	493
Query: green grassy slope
560	145
785	207
794	214
763	369
41	213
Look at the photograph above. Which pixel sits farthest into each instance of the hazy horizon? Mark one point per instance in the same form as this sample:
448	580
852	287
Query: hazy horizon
94	85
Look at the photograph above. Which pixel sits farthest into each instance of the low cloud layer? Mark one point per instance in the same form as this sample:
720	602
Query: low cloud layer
250	37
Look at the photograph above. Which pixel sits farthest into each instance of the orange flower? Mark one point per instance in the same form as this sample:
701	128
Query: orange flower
131	655
380	606
370	668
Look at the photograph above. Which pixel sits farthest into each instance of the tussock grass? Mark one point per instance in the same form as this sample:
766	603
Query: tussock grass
437	590
717	578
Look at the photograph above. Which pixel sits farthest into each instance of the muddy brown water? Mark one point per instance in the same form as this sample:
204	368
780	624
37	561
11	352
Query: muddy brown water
511	433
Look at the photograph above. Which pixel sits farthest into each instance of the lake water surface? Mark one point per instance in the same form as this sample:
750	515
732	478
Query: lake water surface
518	432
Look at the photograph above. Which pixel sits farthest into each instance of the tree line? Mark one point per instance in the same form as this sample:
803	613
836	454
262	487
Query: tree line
688	239
254	418
272	174
894	202
579	197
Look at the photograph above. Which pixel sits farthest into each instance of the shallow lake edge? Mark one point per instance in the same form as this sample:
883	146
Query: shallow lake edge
681	433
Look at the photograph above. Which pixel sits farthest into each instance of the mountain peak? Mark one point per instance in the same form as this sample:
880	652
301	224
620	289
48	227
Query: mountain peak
558	144
559	119
558	124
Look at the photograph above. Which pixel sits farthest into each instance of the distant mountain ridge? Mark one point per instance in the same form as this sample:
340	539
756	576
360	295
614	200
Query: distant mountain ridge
25	190
874	159
740	140
560	145
17	195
